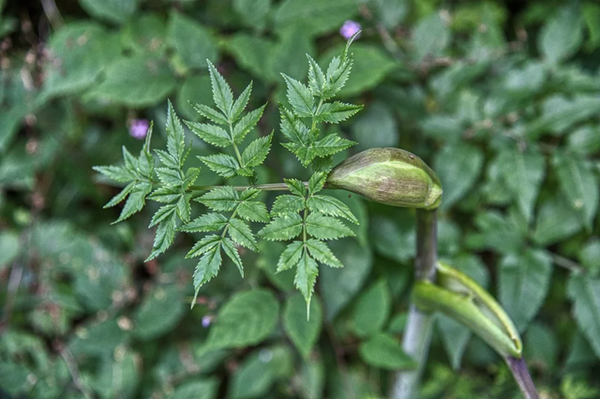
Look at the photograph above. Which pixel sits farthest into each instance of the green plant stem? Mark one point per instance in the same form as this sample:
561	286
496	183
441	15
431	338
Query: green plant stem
417	335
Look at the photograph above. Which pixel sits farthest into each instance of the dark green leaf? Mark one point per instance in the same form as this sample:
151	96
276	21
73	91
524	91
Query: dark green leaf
302	332
579	185
523	285
562	35
458	167
383	351
246	319
191	40
372	310
585	293
523	172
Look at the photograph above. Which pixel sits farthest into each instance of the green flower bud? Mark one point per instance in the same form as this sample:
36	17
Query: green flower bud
389	176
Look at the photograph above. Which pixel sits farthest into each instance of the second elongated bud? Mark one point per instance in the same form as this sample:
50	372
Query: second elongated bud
389	176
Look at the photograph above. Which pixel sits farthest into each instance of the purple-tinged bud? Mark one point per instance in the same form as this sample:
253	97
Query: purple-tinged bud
389	176
349	29
138	128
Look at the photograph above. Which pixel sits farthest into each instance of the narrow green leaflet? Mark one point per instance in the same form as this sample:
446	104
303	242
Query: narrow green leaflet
290	256
240	232
296	187
330	206
246	124
253	211
307	271
165	234
210	113
321	252
331	144
207	222
287	204
175	136
292	127
163	212
282	228
337	112
212	134
240	104
222	164
316	182
135	201
316	77
256	152
222	93
233	254
207	268
220	199
204	245
299	97
326	227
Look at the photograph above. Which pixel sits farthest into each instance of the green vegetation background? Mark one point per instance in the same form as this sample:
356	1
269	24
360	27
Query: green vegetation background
501	98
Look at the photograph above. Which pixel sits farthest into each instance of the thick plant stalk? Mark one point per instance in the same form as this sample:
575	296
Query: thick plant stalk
417	335
519	369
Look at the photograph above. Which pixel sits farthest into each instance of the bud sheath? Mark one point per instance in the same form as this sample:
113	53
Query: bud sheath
389	176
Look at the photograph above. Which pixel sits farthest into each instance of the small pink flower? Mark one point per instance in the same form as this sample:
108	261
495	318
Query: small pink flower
138	128
349	29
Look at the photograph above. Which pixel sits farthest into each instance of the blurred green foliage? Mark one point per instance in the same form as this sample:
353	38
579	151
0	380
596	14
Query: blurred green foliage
502	98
